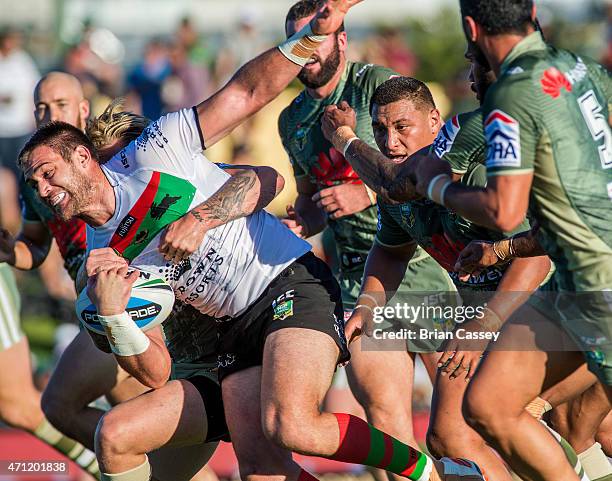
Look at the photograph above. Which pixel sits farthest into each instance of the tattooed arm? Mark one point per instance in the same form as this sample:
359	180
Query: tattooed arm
392	182
249	190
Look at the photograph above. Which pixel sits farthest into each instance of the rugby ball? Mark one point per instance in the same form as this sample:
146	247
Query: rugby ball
150	304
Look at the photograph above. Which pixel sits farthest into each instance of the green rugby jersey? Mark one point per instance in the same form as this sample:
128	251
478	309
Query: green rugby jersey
440	231
548	114
313	156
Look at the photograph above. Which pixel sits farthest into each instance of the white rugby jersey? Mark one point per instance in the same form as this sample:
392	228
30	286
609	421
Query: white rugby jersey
157	179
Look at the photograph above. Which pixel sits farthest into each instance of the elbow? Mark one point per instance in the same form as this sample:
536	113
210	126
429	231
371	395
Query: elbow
271	181
506	218
157	380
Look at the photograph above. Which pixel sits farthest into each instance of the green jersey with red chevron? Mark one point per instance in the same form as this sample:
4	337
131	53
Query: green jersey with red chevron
548	115
160	177
440	231
314	157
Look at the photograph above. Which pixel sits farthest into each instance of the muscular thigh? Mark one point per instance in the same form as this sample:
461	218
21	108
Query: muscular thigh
173	415
297	368
381	377
241	398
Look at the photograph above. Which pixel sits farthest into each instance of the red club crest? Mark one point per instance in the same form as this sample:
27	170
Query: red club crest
334	169
553	81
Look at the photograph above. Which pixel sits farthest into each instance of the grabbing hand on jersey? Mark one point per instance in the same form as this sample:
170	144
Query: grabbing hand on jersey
336	116
104	259
461	356
182	238
476	257
342	200
7	247
361	322
110	290
296	223
331	15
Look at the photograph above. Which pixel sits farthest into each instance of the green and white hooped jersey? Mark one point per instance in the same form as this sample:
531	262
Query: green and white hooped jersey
157	179
10	305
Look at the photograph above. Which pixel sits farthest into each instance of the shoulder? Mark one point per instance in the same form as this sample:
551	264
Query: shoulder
369	75
289	112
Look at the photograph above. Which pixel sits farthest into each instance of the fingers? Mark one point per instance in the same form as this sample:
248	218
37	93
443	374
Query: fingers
446	356
452	365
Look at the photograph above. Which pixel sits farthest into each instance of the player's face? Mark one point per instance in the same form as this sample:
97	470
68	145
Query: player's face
60	184
481	77
57	99
325	61
401	128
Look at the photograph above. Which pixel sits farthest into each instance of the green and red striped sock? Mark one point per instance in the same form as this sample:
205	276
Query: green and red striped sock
362	443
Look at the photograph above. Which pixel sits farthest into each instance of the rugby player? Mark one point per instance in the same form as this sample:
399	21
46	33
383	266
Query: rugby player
549	148
403	112
74	385
57	96
331	193
281	306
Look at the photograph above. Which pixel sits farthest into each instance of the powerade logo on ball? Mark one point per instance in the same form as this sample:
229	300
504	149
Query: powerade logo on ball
141	311
504	140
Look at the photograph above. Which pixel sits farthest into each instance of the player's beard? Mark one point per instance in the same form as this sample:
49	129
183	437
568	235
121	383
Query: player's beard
329	67
79	195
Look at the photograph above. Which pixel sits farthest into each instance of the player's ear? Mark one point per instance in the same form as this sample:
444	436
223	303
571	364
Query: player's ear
470	28
534	12
82	155
435	121
342	41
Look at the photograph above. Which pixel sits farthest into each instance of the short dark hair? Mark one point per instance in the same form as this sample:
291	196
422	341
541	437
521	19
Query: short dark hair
306	8
61	137
403	88
499	16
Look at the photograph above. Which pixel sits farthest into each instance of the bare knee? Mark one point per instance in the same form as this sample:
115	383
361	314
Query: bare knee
289	428
486	418
112	437
452	440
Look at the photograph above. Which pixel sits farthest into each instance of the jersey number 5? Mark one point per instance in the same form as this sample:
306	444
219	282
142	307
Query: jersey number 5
598	125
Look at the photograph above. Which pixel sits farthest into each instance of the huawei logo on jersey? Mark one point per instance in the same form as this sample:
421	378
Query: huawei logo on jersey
333	169
553	81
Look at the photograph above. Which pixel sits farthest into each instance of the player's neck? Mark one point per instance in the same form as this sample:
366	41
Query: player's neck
498	47
102	206
329	87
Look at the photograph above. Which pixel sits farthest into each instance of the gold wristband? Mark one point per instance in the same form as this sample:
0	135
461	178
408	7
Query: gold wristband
504	250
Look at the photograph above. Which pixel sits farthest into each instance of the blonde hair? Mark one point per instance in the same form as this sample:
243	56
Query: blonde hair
115	124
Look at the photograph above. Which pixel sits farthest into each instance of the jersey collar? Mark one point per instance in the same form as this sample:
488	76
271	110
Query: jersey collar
339	87
530	43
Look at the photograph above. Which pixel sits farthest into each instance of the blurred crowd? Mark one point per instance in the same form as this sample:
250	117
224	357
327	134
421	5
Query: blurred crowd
168	73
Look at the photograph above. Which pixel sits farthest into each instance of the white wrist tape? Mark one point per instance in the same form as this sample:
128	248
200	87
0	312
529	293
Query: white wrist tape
124	336
348	144
299	47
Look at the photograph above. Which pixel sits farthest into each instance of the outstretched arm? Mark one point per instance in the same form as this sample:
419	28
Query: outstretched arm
263	78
